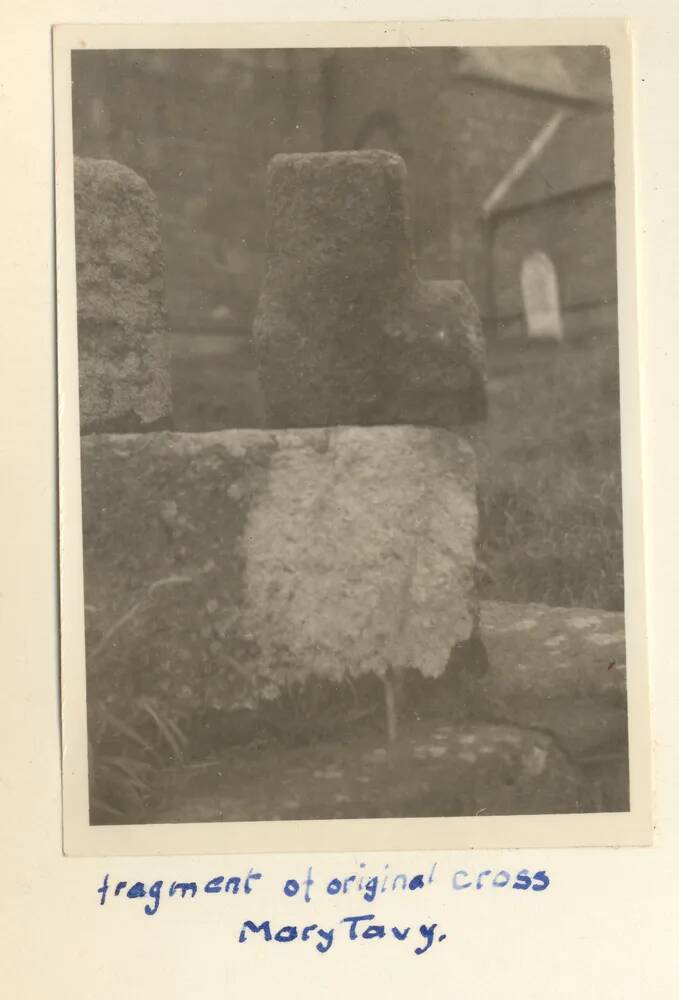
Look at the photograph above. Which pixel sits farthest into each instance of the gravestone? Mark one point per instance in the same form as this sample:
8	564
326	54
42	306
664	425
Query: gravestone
123	346
540	291
346	332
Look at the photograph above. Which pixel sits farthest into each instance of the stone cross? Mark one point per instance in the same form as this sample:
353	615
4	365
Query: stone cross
345	331
347	334
123	345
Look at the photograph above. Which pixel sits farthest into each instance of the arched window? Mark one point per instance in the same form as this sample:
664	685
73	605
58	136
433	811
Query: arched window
540	293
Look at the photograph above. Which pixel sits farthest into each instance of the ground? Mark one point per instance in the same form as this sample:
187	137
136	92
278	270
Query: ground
550	476
435	768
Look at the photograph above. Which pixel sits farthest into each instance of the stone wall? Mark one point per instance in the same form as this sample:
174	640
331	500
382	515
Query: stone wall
457	137
488	129
161	114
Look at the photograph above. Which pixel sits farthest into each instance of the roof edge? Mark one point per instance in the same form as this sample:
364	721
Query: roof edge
575	100
520	166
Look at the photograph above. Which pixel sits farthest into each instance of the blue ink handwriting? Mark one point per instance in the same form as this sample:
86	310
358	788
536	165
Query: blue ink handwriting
323	938
218	884
301	887
538	882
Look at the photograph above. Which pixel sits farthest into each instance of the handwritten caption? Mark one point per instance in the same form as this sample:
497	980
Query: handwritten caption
360	885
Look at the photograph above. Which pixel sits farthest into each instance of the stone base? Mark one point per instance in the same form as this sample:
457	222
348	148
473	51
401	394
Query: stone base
221	568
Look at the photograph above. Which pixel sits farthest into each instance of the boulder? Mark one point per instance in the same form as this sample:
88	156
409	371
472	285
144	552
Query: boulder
345	331
123	347
221	567
561	670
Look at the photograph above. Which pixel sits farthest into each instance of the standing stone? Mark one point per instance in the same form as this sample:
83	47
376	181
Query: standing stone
346	333
122	330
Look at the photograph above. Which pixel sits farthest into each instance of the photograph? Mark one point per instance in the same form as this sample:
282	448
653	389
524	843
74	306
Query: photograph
350	498
340	534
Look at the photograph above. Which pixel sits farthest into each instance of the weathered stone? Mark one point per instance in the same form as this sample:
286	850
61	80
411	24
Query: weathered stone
122	331
561	670
346	332
220	567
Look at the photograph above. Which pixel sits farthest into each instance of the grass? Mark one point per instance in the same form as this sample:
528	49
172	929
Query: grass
550	481
549	460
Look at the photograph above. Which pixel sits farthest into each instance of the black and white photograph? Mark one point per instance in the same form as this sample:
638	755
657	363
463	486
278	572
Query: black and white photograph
349	539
